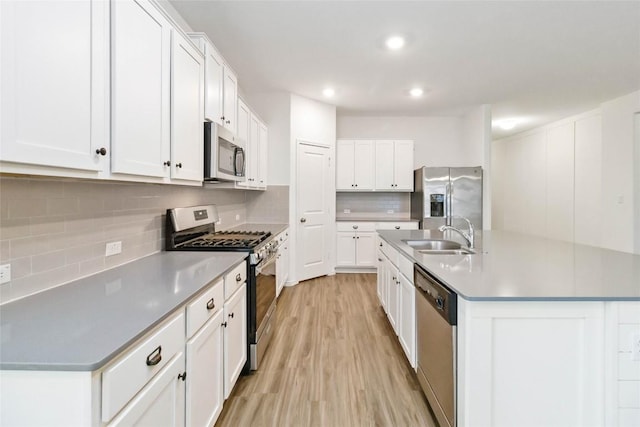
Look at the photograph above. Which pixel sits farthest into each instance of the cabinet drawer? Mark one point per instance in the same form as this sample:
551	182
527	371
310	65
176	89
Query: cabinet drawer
234	279
204	307
356	225
122	380
396	226
389	251
406	267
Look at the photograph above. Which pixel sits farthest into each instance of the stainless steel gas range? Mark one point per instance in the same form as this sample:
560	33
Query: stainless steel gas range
193	229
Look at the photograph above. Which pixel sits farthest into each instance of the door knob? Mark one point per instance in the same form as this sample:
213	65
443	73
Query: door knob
303	219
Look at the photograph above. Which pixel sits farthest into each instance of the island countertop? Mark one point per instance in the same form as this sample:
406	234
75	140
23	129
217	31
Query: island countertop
82	325
513	266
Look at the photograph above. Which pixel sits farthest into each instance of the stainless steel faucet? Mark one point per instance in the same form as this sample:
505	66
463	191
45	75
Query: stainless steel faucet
469	236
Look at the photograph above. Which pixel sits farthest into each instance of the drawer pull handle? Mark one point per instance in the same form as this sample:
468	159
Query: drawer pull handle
183	376
210	304
231	315
238	277
155	357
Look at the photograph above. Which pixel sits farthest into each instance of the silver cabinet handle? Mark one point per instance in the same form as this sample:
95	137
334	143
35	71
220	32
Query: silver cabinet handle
303	219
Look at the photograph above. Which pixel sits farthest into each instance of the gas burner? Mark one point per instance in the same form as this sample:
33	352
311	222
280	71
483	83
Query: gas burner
229	239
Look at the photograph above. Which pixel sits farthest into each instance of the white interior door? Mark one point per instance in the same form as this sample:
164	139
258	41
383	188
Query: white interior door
314	183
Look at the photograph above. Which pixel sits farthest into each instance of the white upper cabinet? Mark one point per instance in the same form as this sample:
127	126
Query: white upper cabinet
230	99
140	87
187	104
214	71
355	165
54	60
394	165
378	165
263	134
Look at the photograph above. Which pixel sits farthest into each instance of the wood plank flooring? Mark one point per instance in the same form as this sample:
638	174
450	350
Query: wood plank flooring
334	361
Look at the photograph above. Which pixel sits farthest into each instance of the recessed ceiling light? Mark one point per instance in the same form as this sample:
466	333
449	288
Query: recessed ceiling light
395	42
507	124
328	92
416	92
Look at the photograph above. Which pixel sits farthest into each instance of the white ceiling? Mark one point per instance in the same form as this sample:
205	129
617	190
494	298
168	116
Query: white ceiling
536	60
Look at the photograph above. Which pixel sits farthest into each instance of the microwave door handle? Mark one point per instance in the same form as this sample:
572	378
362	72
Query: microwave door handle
239	161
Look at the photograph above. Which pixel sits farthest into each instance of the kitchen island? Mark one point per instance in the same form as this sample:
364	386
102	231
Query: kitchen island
545	329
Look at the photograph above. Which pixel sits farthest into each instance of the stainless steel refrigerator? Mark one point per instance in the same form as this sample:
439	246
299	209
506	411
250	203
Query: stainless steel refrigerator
440	193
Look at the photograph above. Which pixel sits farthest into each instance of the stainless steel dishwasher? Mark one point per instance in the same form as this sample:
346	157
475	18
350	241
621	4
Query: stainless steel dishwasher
436	316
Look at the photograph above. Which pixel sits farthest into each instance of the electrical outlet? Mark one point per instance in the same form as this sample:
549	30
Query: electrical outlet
113	248
635	346
390	211
237	217
5	273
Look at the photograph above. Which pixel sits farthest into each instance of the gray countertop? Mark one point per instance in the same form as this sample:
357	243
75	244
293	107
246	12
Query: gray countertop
82	325
512	266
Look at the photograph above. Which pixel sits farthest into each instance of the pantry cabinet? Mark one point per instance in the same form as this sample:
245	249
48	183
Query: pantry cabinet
355	165
54	63
394	165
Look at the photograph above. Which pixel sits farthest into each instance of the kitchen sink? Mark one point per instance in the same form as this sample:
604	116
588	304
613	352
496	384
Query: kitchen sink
438	246
461	251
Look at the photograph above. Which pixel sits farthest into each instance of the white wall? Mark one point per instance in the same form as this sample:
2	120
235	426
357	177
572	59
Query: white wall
577	174
311	121
275	110
618	171
476	140
637	195
438	140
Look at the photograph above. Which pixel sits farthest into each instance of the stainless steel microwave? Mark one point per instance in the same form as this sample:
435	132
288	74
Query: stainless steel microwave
224	158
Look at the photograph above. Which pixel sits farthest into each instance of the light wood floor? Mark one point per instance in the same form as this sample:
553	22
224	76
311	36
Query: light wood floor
334	361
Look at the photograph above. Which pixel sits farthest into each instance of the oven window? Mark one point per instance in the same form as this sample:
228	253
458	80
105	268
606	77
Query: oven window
265	294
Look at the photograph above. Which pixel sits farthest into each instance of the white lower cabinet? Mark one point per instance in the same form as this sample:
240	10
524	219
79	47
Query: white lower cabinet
282	262
355	244
161	402
235	337
397	296
205	371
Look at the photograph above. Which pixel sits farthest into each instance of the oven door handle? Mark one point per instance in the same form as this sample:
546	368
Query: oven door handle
265	263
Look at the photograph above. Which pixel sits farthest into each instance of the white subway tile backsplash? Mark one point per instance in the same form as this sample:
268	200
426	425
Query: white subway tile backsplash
55	231
373	205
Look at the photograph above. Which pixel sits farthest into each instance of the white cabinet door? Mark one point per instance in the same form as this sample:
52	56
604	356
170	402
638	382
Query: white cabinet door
366	249
253	150
263	155
344	165
187	104
54	90
346	249
355	165
161	402
363	165
205	374
403	165
235	338
140	89
282	266
230	100
244	120
380	285
407	323
214	84
385	178
392	296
